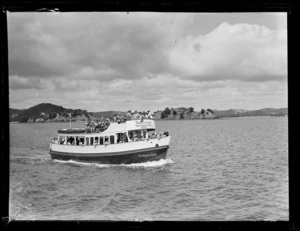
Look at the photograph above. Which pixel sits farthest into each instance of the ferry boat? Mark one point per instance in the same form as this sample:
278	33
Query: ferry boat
131	141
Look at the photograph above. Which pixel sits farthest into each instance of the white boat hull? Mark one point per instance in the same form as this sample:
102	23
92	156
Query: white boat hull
121	153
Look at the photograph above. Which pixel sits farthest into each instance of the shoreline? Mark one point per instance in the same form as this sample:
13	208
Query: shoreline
214	118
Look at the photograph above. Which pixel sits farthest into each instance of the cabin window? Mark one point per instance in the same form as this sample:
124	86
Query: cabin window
151	133
106	140
112	139
70	140
86	141
81	140
92	140
101	139
124	137
121	138
96	140
138	134
131	135
144	134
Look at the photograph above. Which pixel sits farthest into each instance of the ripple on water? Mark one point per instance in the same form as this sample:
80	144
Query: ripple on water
235	169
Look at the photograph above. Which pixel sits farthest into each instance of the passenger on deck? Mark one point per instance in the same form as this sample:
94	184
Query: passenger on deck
142	117
107	122
136	138
125	139
160	135
118	117
129	115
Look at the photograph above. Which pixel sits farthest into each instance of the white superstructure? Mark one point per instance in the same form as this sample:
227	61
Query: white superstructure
120	138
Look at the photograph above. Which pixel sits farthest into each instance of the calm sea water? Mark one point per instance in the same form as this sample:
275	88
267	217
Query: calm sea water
227	169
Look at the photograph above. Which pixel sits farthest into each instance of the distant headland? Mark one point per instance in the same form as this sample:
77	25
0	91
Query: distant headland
46	112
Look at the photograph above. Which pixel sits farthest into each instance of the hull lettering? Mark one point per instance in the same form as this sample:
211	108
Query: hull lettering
146	155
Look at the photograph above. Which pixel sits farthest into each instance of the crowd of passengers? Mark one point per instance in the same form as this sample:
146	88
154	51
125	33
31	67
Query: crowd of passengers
137	115
121	139
97	126
102	125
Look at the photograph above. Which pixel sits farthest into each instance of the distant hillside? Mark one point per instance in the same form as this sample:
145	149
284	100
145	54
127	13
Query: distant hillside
45	112
260	112
15	111
184	113
189	113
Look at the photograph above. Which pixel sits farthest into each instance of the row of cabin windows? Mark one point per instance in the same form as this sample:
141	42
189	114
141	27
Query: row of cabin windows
73	140
100	140
133	135
139	134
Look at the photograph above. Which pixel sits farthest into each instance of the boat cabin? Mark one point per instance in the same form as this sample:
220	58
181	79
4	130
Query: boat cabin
117	132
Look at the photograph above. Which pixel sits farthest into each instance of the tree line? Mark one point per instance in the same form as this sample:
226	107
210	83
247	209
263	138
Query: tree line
182	110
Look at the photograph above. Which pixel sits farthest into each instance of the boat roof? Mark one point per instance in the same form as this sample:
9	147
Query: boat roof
114	127
71	131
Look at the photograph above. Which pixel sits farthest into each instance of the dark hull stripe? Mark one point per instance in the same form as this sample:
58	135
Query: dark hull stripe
137	156
111	153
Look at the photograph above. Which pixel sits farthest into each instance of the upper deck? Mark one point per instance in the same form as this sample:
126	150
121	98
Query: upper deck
114	127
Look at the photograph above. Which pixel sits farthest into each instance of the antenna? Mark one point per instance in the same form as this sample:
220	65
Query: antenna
70	114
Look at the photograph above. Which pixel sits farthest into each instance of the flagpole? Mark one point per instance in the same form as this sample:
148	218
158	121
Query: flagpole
70	114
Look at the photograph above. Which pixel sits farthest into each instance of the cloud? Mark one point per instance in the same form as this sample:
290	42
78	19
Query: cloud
104	61
49	45
242	51
17	82
122	47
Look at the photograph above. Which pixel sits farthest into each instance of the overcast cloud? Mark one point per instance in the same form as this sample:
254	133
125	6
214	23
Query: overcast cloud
120	61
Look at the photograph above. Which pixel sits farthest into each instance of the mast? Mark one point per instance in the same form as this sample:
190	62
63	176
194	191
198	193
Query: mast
70	114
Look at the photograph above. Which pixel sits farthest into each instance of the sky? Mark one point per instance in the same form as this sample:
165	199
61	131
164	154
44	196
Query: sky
123	61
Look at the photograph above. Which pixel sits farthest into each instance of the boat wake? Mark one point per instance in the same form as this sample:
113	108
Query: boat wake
78	163
149	164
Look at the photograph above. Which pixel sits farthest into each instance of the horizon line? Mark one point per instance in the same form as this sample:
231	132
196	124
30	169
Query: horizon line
159	109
